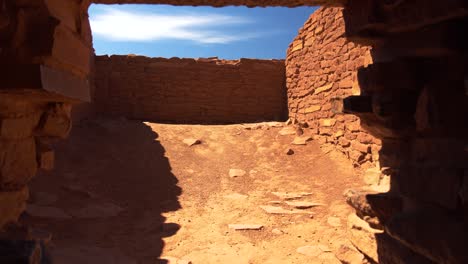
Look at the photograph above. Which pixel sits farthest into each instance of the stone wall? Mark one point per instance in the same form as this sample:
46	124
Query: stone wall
190	90
321	66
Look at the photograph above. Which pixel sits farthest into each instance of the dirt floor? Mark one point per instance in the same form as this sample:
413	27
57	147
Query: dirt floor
135	192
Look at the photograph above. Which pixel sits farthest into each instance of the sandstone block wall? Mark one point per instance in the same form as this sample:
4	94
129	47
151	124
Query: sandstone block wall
321	66
189	90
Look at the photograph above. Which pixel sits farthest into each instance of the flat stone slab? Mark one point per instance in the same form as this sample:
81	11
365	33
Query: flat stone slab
285	131
303	204
280	210
302	140
291	195
191	141
313	251
245	226
46	212
233	173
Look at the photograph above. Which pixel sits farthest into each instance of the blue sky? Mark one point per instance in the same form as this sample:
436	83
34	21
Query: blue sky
192	32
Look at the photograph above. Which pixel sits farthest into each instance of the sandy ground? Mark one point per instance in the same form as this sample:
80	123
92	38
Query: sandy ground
134	192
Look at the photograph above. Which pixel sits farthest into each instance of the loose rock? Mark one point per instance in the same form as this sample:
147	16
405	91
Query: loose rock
302	140
348	255
245	226
303	204
236	173
191	141
289	151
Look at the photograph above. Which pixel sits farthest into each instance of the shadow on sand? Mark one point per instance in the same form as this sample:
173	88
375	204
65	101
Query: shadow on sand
113	179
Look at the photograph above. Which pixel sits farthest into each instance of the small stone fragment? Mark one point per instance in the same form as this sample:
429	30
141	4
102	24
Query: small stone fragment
191	141
289	151
245	226
301	140
334	221
233	173
303	204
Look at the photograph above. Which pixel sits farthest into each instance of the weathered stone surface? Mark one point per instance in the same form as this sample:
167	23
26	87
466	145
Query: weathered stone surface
18	159
334	221
433	233
289	130
363	236
18	128
348	255
12	204
56	121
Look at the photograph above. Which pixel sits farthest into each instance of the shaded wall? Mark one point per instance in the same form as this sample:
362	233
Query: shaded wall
321	66
189	90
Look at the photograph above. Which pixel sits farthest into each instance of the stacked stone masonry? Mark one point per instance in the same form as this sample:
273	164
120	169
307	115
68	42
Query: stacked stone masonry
190	90
321	67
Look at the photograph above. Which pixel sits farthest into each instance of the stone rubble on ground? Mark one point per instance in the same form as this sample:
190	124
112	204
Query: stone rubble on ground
233	173
245	226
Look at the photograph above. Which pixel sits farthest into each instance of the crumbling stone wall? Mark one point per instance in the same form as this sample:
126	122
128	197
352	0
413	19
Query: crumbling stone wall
190	90
321	66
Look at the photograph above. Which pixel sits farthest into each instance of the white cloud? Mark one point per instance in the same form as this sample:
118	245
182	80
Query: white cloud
134	26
